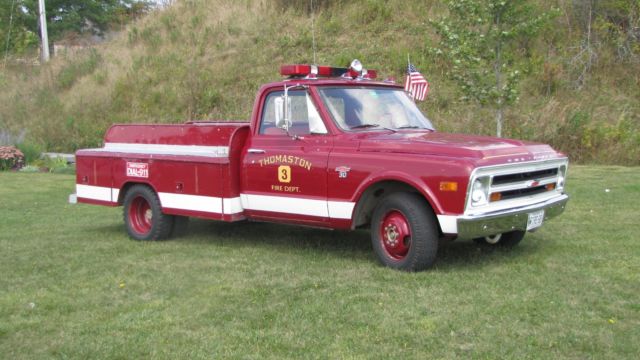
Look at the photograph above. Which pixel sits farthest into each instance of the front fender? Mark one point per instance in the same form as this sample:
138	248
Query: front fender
402	177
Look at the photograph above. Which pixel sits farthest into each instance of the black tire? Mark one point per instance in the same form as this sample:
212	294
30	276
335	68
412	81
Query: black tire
505	240
143	215
404	232
180	226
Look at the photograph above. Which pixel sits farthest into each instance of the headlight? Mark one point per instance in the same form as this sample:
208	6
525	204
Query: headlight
479	192
562	173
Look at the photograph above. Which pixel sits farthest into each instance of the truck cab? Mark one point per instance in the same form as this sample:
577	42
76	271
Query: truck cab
333	148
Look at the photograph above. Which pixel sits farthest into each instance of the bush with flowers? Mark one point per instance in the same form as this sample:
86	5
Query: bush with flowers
10	158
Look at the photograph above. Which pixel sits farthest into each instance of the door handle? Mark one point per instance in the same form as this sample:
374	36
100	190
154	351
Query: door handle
256	151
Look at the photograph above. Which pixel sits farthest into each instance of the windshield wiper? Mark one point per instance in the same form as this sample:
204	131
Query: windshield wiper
364	126
409	127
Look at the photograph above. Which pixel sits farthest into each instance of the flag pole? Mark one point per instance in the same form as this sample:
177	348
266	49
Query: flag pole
406	81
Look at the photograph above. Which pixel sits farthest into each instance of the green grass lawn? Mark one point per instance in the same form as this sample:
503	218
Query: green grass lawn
72	285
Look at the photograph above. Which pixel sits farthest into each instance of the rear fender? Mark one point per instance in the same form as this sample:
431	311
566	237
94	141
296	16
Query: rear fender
127	185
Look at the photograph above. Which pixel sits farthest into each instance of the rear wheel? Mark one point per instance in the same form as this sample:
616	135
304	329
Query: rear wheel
404	233
143	215
506	240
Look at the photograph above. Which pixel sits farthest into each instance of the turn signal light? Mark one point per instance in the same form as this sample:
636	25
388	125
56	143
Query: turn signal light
495	196
448	186
551	186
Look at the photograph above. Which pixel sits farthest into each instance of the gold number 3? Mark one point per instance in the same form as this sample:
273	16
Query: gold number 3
284	174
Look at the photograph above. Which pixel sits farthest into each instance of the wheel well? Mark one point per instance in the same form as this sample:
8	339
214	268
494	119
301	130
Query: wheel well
125	188
374	194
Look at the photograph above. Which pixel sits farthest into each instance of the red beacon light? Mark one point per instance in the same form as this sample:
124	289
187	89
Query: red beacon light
354	71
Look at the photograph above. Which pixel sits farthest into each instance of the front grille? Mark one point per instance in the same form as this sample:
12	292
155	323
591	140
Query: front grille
525	176
514	185
512	194
523	183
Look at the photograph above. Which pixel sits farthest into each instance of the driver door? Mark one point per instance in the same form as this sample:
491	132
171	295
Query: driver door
286	172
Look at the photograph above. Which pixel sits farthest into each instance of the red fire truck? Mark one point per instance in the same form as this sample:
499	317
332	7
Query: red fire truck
332	148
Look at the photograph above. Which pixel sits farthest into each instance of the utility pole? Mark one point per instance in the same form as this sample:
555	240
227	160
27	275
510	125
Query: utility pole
44	53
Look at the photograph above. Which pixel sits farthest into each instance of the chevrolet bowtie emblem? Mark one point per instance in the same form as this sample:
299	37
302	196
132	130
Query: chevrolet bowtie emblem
532	183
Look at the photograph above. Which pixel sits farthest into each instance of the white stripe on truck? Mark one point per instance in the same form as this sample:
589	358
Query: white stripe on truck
232	205
191	202
285	204
298	206
229	206
94	192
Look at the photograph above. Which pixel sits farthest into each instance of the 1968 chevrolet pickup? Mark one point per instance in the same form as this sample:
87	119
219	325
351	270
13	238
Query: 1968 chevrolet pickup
333	148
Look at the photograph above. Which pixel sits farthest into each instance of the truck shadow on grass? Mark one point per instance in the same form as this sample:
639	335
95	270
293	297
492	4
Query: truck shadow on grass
352	244
355	245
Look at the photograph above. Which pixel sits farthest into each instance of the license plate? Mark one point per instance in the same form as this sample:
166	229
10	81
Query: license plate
535	219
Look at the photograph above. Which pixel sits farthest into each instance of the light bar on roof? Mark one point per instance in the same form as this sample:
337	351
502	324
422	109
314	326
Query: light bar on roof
313	71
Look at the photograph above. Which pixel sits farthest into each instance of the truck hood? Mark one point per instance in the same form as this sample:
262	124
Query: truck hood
456	145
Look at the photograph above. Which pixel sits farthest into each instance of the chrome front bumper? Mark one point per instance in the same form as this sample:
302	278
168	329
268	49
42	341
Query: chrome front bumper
502	221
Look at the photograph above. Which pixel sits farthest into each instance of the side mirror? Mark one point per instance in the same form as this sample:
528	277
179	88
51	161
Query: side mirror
279	111
283	112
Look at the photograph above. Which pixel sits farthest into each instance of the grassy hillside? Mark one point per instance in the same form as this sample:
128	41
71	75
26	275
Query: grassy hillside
206	59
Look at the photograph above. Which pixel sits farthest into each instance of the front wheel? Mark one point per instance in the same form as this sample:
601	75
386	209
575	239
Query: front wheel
143	215
404	232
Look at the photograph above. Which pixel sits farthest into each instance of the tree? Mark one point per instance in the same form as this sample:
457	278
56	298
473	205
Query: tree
63	16
14	35
78	16
605	24
482	40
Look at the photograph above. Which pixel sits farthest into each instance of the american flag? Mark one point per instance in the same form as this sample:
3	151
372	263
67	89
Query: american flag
416	84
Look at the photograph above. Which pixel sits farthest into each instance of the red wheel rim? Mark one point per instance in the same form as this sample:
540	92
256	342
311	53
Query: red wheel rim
395	234
140	215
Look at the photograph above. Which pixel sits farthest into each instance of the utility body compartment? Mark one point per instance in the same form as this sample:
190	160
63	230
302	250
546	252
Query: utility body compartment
194	167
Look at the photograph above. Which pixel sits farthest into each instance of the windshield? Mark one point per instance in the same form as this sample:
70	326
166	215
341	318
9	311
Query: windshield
372	107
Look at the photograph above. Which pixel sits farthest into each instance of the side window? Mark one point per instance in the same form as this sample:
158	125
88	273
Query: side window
337	109
305	118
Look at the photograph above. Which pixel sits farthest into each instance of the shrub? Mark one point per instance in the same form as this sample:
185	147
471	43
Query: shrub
55	164
31	151
10	158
